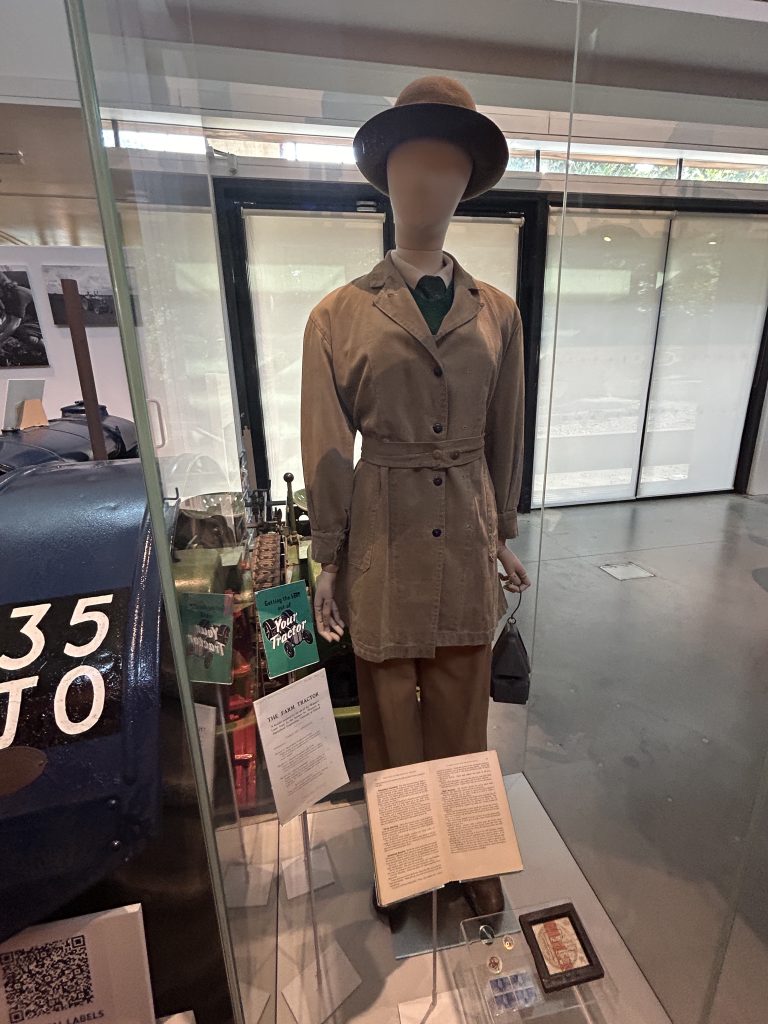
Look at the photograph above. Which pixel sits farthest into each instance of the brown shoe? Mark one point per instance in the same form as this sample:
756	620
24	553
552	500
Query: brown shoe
484	895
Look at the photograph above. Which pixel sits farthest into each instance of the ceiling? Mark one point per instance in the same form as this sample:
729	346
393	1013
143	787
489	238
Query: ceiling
618	44
513	53
54	147
49	199
49	220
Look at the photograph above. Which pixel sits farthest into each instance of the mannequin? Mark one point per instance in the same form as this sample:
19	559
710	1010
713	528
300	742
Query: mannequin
427	178
427	364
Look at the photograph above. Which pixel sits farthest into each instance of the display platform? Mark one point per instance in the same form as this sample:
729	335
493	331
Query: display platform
411	922
345	914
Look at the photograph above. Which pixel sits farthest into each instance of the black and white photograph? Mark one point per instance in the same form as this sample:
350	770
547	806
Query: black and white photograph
21	340
95	289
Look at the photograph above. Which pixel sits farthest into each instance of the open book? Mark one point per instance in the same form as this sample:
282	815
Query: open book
438	822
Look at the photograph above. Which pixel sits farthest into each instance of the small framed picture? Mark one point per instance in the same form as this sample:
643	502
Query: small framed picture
561	949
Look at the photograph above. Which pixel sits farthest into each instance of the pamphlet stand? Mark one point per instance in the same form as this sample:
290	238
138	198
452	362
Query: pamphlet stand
411	925
310	883
245	884
447	1007
322	986
433	1004
299	717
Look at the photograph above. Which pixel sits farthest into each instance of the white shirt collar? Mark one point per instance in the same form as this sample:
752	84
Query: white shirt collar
412	275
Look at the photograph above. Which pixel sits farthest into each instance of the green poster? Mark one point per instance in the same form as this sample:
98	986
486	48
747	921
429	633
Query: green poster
207	623
287	628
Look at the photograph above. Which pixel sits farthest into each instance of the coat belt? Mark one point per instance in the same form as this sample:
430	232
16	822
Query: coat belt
439	454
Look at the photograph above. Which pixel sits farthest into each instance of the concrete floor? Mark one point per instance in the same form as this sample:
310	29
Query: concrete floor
648	733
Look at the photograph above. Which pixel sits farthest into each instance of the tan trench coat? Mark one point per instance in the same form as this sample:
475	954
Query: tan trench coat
414	524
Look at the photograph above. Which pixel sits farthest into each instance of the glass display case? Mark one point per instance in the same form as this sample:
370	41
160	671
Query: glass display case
643	749
623	248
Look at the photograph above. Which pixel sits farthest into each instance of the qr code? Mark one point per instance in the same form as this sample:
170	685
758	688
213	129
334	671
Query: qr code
46	979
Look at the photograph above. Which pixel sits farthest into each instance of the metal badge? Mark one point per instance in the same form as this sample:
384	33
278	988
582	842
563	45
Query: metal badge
509	942
494	964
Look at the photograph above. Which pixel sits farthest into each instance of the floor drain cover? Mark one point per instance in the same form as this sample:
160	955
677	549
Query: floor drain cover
626	571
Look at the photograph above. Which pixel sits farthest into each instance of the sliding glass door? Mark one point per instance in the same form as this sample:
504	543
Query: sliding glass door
715	295
645	390
658	331
610	286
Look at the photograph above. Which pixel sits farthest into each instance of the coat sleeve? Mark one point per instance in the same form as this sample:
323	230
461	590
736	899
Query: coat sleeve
505	428
327	446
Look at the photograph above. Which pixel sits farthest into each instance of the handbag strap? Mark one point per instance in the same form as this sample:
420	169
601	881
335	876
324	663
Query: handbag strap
516	609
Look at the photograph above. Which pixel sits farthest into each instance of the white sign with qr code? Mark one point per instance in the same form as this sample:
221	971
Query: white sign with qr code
83	969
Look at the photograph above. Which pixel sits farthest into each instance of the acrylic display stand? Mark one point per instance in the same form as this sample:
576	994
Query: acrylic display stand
245	884
320	988
310	882
317	992
435	1010
495	948
411	927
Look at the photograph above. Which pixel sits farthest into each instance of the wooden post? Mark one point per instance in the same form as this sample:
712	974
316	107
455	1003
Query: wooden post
76	323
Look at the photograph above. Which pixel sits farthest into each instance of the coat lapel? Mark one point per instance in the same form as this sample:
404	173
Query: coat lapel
466	301
395	300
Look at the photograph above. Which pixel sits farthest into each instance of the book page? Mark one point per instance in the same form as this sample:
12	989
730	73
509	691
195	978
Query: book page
406	848
475	820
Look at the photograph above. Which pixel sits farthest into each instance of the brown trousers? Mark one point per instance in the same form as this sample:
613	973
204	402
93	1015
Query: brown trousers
420	709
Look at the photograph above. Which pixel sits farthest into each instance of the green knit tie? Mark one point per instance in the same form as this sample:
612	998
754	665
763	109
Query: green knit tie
434	298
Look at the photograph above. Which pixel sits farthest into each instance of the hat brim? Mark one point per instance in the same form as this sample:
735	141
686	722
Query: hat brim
474	132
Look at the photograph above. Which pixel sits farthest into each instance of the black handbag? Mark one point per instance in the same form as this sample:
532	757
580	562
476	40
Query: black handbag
510	665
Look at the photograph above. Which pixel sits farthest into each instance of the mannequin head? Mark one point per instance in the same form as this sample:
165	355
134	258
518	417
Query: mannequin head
426	179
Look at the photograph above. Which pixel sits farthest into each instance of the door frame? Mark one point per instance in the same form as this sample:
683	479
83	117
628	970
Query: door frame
233	196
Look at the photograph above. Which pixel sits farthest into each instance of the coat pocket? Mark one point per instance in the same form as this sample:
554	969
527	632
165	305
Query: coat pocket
366	498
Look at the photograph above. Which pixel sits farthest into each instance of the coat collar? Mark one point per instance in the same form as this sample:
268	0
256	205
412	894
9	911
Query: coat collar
395	300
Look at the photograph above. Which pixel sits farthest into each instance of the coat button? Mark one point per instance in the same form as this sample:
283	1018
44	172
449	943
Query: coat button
437	533
437	371
437	481
454	455
437	427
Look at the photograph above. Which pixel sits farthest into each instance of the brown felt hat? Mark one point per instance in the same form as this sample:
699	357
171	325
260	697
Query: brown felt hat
434	107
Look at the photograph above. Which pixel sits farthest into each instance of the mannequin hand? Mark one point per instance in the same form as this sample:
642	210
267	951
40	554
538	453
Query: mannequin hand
327	618
515	578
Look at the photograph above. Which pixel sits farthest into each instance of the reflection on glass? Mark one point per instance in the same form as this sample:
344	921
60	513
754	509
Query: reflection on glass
715	296
294	260
609	297
610	168
694	354
172	255
487	249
